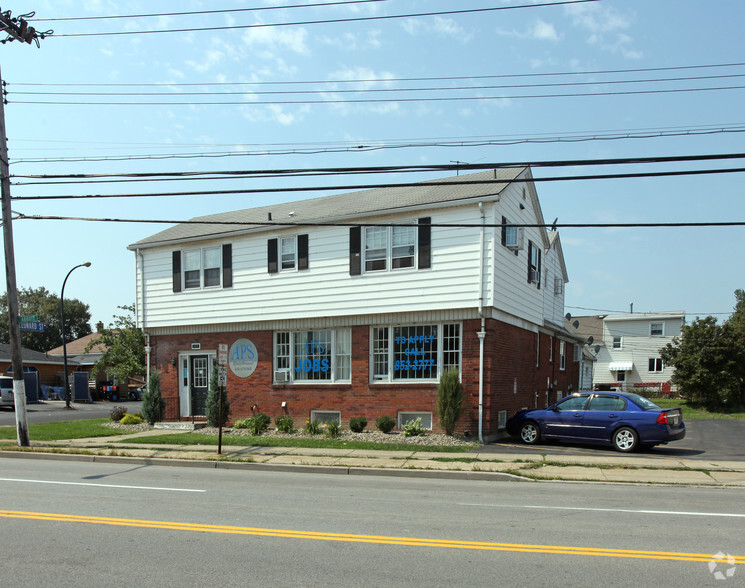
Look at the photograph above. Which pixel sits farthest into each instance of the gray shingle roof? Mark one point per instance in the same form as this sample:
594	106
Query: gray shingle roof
338	207
31	356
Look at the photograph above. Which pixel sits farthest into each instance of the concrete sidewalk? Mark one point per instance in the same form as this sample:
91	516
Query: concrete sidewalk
473	465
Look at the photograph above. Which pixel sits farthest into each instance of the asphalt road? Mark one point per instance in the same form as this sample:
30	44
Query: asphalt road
82	524
55	410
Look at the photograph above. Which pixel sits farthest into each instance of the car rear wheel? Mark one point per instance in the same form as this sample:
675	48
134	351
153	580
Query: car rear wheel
625	439
530	434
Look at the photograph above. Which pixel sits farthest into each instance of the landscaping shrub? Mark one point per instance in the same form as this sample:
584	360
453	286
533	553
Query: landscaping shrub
259	423
131	419
413	428
385	424
284	424
241	424
449	406
332	429
357	424
153	404
117	413
312	427
213	402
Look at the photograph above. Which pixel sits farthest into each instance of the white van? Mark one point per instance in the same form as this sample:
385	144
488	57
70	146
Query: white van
6	390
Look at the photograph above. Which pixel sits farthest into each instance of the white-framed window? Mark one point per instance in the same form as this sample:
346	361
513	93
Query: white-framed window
577	352
388	248
534	264
202	268
287	253
325	416
558	286
656	329
321	355
562	355
414	352
617	342
655	364
405	417
550	349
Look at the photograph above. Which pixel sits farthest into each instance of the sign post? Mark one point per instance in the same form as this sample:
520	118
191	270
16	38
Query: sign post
222	376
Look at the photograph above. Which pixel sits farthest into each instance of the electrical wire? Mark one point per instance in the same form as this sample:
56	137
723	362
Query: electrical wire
313	148
326	21
371	186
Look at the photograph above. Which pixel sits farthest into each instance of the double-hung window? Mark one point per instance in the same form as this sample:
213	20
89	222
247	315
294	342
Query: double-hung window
288	253
414	352
656	329
655	364
390	247
321	355
562	355
534	264
202	268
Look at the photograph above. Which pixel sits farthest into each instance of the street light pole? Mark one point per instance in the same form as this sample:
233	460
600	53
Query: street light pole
64	342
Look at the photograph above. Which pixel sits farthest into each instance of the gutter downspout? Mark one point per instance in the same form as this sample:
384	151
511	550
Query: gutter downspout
482	333
141	309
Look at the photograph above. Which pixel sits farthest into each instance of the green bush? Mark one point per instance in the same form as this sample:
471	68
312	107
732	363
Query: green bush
312	427
332	429
153	404
117	413
212	405
385	424
413	428
449	406
259	423
357	424
131	419
284	424
241	424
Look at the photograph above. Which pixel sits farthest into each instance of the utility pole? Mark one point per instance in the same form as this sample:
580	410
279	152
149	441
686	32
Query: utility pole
17	28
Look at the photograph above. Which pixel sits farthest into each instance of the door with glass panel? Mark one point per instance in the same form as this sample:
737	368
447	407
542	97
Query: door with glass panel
199	368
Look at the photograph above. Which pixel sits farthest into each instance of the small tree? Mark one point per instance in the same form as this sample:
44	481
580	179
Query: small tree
213	402
449	405
153	404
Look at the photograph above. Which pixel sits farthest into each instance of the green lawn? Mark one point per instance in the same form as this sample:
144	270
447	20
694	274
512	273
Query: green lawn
82	429
692	411
64	430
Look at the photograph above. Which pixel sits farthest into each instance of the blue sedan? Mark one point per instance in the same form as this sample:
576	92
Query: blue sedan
622	419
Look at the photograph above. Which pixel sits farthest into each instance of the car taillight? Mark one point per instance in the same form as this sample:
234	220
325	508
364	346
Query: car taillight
662	418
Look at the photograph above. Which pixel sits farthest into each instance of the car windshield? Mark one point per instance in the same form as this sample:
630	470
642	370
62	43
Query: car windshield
642	402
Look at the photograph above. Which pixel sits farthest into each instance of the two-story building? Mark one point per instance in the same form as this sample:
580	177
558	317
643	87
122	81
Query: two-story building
354	304
628	348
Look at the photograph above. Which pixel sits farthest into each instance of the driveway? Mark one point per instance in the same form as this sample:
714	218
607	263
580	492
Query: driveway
706	439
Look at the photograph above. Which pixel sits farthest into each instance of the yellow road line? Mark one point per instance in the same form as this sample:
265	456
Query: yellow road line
355	538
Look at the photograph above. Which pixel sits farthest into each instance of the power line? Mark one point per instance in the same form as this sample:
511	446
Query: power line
313	148
379	100
327	21
21	216
371	186
371	80
325	171
203	12
382	90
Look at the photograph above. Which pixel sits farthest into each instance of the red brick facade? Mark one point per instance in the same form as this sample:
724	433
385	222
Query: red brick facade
514	377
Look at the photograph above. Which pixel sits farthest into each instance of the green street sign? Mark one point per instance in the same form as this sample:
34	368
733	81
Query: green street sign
33	318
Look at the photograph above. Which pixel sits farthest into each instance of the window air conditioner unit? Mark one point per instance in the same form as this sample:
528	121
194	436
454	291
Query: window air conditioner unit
282	377
514	238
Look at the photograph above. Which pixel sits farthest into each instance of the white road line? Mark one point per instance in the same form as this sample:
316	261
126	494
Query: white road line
100	485
659	512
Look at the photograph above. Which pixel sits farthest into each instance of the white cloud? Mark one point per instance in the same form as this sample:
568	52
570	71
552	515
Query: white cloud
273	38
605	27
544	31
445	27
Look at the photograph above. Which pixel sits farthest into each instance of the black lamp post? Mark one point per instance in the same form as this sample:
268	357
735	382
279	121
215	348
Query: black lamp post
64	343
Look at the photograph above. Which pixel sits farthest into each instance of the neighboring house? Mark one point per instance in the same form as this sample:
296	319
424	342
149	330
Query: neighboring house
359	312
629	349
50	369
589	330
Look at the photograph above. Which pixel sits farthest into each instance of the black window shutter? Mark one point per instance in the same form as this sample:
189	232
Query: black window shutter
504	230
539	269
425	242
302	252
227	265
530	259
271	256
355	247
176	268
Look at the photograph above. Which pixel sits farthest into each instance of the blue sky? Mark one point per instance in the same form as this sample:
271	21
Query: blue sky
693	269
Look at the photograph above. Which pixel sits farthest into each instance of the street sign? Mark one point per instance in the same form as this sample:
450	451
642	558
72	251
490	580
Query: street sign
222	354
32	326
222	375
32	318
